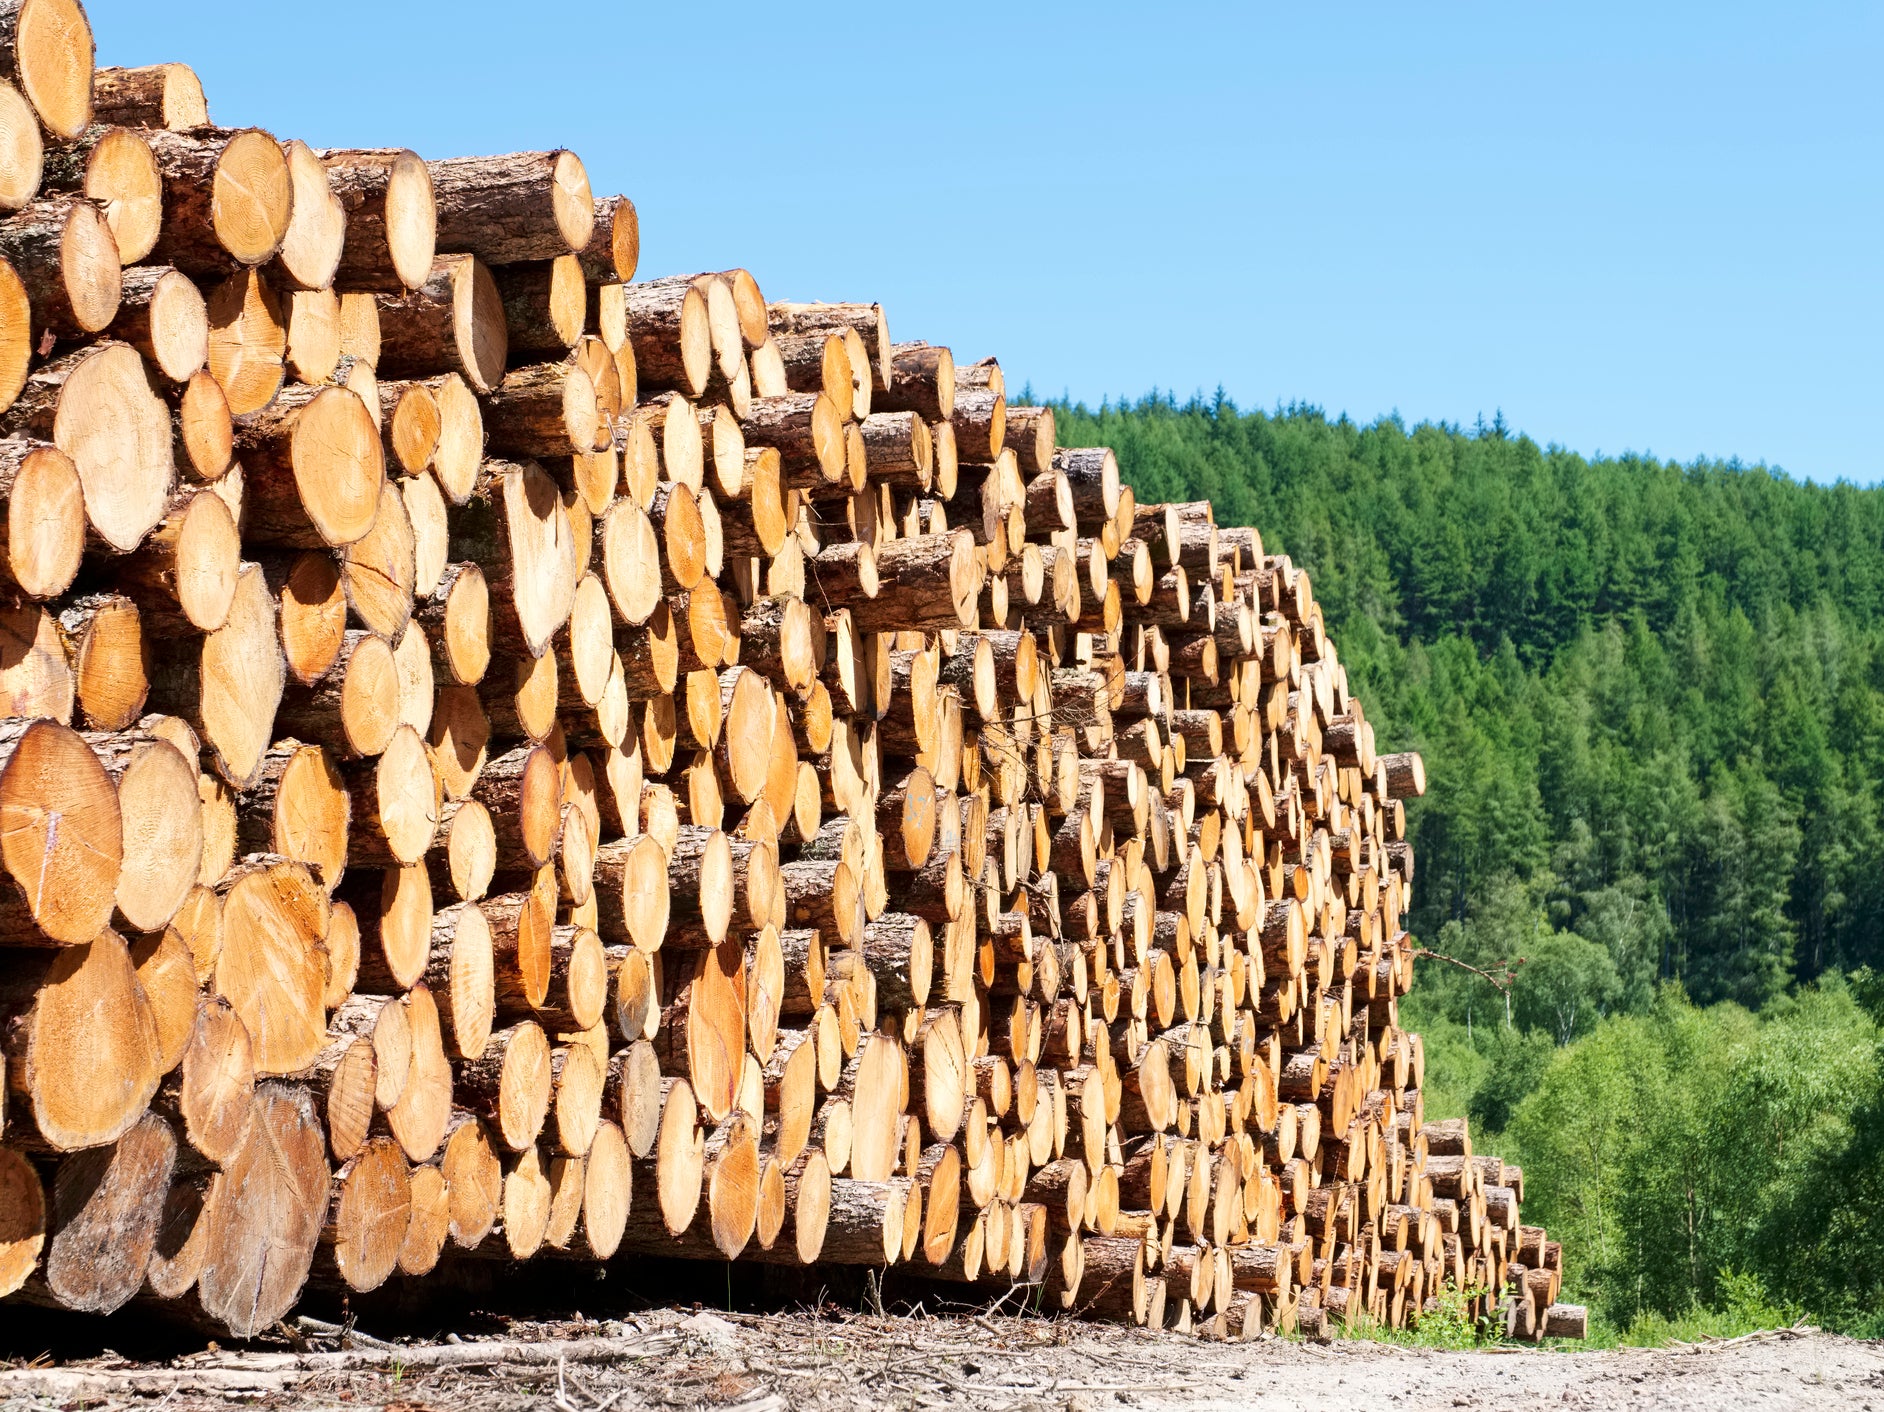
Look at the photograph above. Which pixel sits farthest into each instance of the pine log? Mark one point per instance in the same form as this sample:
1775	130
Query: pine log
929	581
22	150
864	320
371	1210
210	1093
42	512
107	1206
452	322
614	248
522	534
546	306
157	95
317	227
82	1044
391	218
228	198
506	210
473	1182
98	407
264	1214
67	258
184	574
316	469
806	431
669	331
546	409
46	48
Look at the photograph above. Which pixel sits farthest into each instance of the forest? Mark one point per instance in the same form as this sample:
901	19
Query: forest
1650	698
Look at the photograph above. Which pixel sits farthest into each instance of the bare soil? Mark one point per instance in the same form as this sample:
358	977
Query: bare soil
667	1358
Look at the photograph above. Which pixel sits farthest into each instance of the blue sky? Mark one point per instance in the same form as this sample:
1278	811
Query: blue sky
1648	226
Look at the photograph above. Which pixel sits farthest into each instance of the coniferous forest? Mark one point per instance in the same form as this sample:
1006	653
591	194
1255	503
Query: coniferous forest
1650	698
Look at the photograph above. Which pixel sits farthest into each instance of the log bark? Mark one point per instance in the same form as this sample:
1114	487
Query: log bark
157	95
515	208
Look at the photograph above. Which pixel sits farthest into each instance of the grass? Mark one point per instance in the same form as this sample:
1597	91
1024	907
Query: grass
1448	1327
1743	1307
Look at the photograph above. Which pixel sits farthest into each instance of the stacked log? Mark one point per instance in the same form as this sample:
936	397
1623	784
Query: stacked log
504	758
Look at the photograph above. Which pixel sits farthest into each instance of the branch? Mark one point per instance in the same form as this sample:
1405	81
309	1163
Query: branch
1500	982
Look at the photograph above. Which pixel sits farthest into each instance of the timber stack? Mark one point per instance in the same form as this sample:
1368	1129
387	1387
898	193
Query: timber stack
505	759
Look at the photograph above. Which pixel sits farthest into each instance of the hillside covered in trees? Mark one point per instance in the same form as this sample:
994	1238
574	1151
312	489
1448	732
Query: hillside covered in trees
1651	702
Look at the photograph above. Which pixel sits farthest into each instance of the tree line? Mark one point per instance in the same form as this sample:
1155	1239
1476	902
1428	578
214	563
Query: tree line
1651	701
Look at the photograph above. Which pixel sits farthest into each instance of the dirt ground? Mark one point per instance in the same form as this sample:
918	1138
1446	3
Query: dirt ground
775	1362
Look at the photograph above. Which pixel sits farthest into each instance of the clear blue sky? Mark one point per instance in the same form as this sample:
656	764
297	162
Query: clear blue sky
1652	227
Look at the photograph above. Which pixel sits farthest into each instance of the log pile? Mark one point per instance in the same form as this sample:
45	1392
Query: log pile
507	760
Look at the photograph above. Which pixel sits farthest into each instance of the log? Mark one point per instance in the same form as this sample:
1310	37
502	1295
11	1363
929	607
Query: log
107	1207
156	95
509	1086
806	431
929	581
523	528
82	1044
1565	1321
210	1093
104	638
161	822
264	1214
546	306
614	248
428	1223
228	683
669	333
46	49
272	966
22	1220
61	835
228	198
395	804
184	574
353	709
864	1225
451	323
391	219
507	210
67	258
42	514
317	228
371	1210
22	150
316	470
473	1182
98	407
865	320
421	1116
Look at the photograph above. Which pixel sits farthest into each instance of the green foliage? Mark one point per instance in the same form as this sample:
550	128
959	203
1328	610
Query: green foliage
1651	702
1670	1149
1450	1326
1744	1308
